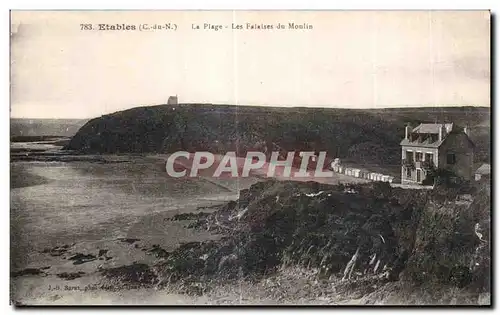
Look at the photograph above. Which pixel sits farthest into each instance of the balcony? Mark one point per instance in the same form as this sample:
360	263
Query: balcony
407	163
423	164
427	165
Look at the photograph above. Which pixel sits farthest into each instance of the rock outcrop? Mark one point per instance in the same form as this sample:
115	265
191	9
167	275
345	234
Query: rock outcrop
373	230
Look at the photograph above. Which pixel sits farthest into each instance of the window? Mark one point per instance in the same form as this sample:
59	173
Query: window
428	157
418	156
409	156
408	173
450	158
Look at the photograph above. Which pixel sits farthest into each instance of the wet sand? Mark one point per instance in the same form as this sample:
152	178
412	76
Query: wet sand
88	207
122	207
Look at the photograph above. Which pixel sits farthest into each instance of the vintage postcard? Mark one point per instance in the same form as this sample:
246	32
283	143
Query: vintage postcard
250	158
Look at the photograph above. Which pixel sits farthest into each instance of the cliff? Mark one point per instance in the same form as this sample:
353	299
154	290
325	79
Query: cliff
364	136
363	234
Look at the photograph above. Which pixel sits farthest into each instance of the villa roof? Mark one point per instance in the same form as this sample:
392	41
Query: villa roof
431	129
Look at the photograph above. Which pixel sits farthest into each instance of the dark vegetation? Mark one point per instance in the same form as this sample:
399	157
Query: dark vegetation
136	273
418	235
453	239
363	136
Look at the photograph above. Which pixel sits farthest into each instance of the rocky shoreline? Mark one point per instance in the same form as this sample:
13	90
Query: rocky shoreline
299	243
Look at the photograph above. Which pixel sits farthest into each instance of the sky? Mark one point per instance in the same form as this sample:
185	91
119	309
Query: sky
349	59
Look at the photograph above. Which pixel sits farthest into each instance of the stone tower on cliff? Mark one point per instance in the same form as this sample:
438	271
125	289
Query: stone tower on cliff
173	100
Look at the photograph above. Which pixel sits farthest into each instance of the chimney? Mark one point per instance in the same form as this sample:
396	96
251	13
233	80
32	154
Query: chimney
407	131
467	131
442	132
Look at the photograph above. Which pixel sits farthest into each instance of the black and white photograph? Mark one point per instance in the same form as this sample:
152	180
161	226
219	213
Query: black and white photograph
258	158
